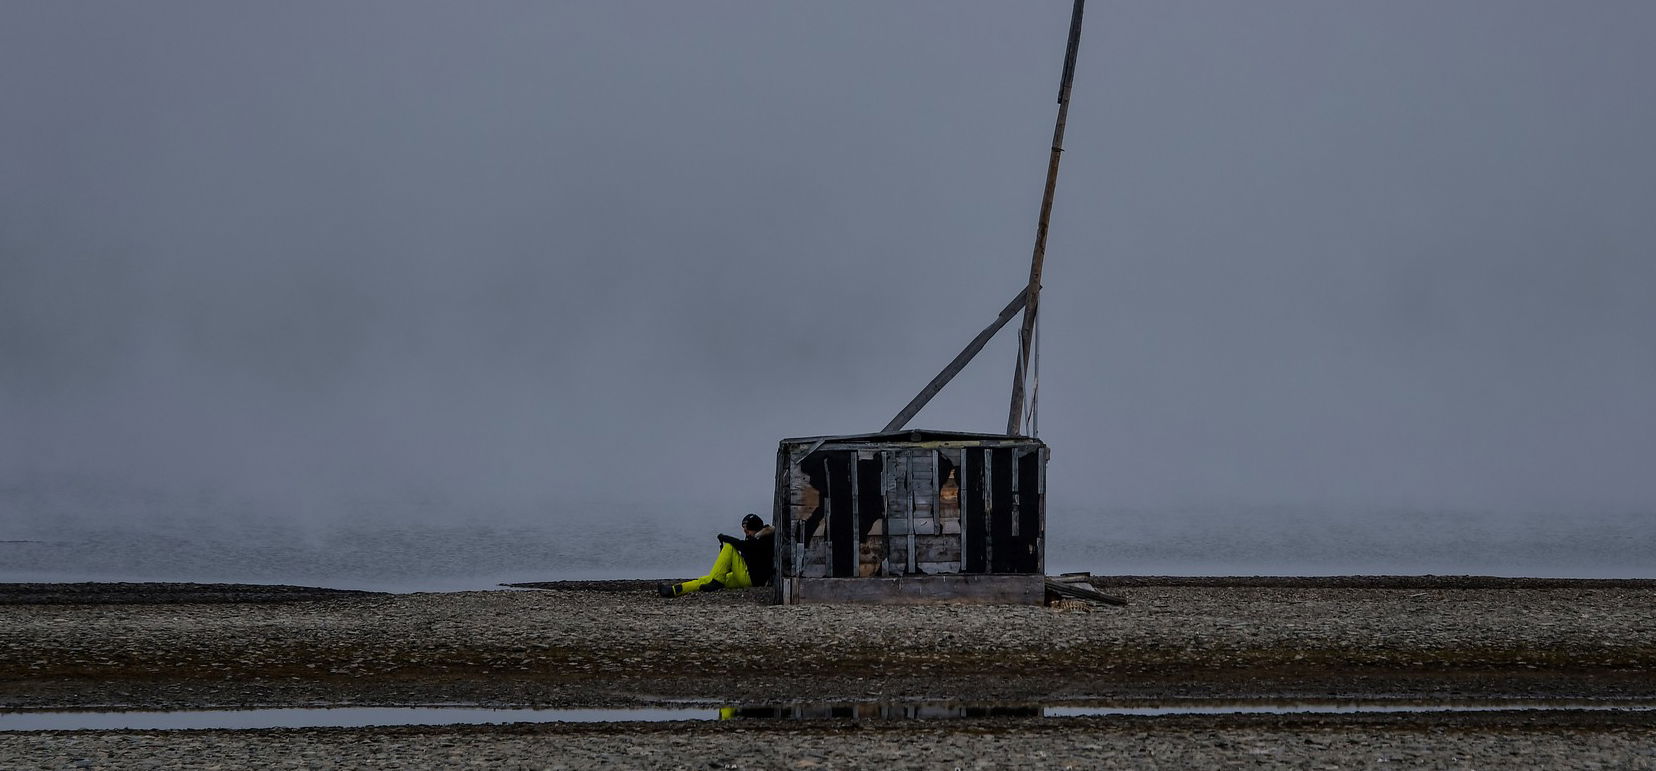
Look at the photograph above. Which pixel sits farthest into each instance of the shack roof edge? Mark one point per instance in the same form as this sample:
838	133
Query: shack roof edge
912	435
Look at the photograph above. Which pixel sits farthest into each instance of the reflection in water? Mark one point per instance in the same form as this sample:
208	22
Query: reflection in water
1273	707
934	710
880	711
327	717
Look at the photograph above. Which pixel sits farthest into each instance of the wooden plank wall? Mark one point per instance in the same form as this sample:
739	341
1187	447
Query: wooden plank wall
903	510
807	508
871	513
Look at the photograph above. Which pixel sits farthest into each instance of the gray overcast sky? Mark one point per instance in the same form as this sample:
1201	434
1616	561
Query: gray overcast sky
1328	253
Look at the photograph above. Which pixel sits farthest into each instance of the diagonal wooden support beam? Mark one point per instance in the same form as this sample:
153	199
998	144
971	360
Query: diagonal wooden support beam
959	363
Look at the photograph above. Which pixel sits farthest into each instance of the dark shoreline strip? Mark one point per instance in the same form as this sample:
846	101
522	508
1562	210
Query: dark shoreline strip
1377	582
124	593
121	593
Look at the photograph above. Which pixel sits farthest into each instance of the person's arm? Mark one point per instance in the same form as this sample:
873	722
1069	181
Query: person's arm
755	545
730	539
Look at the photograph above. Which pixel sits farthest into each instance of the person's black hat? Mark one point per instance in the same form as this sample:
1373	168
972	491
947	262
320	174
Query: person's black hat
752	522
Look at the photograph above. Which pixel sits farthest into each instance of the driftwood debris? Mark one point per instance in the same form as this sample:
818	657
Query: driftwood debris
1076	586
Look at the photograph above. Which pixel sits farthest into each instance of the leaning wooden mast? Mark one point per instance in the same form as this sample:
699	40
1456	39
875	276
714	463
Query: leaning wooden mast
1032	292
1027	298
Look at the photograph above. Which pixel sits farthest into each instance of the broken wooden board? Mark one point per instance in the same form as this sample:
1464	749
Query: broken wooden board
1080	589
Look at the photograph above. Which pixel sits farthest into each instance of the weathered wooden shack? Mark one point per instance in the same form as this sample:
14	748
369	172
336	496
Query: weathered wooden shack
911	516
922	516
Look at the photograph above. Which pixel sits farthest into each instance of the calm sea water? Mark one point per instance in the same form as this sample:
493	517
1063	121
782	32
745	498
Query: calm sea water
444	545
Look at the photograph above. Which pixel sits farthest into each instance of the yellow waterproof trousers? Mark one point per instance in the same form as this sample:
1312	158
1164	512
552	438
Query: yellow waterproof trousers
729	569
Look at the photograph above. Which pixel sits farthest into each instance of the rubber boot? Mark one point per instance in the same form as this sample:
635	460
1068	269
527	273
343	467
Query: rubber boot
712	585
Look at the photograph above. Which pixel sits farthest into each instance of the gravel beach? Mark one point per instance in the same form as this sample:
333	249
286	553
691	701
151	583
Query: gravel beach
1511	742
614	644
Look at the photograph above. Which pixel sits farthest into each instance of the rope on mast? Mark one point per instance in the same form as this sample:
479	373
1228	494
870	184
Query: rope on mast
1030	418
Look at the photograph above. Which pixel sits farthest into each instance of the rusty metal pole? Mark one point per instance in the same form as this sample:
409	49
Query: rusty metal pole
1014	419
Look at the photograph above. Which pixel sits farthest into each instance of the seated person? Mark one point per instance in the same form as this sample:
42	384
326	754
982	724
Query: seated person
741	563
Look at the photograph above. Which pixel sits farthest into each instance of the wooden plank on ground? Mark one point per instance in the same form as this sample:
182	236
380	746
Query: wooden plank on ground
1080	590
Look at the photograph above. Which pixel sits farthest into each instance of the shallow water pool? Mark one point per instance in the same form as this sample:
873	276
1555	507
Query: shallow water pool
353	717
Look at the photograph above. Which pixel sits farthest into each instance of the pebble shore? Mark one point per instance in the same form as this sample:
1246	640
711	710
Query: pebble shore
615	644
1519	742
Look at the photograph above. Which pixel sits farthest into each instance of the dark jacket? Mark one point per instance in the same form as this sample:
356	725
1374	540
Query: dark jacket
759	552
